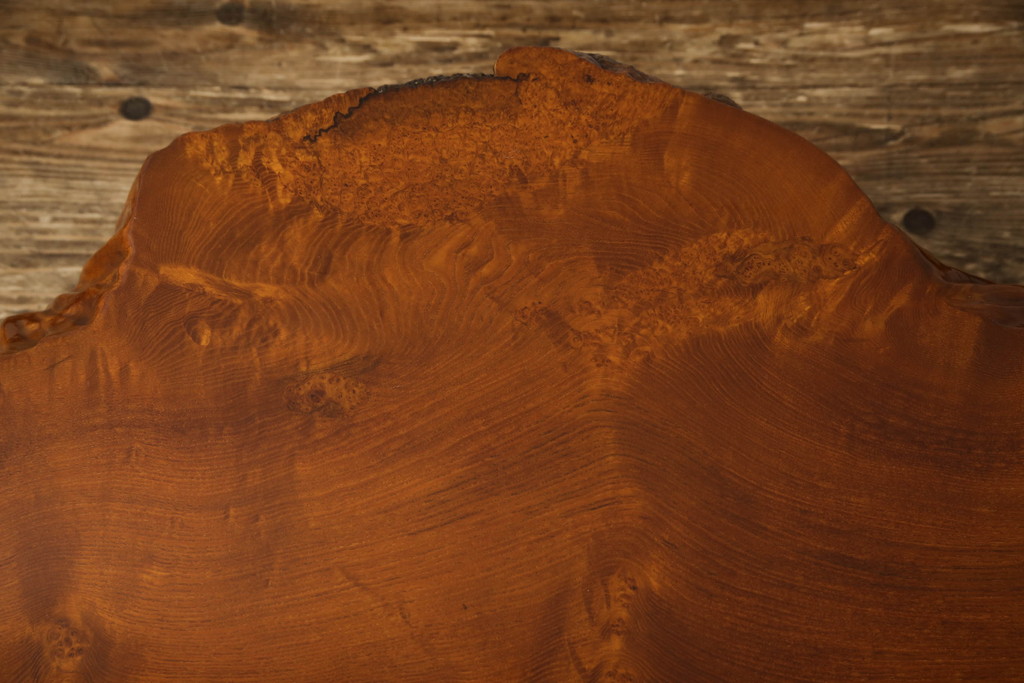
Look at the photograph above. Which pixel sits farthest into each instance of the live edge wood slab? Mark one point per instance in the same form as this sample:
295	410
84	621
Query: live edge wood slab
564	374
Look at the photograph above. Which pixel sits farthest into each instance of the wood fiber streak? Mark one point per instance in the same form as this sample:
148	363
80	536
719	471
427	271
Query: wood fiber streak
560	374
921	100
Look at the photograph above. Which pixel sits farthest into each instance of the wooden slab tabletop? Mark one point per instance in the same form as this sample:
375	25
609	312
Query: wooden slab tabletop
559	374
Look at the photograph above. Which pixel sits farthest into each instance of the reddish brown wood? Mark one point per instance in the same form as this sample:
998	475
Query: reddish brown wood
561	375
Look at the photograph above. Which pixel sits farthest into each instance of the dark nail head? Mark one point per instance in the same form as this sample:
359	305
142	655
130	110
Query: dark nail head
918	221
231	13
136	108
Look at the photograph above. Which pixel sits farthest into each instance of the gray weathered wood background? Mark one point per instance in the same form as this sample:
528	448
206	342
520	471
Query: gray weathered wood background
922	101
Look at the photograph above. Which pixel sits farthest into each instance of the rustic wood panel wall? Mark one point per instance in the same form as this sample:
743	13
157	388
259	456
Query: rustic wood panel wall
922	101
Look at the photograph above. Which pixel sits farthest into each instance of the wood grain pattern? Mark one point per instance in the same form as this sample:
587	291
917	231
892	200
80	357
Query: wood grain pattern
921	101
564	374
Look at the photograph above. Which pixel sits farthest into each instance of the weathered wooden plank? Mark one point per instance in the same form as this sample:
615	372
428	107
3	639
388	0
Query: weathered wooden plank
922	102
316	44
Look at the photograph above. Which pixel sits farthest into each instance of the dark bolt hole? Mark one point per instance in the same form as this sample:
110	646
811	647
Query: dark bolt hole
231	13
918	221
136	108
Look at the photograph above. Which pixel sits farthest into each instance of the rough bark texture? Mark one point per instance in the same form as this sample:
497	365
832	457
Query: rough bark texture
564	374
922	101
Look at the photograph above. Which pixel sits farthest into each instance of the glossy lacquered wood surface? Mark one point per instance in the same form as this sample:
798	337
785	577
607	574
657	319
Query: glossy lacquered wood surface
564	374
